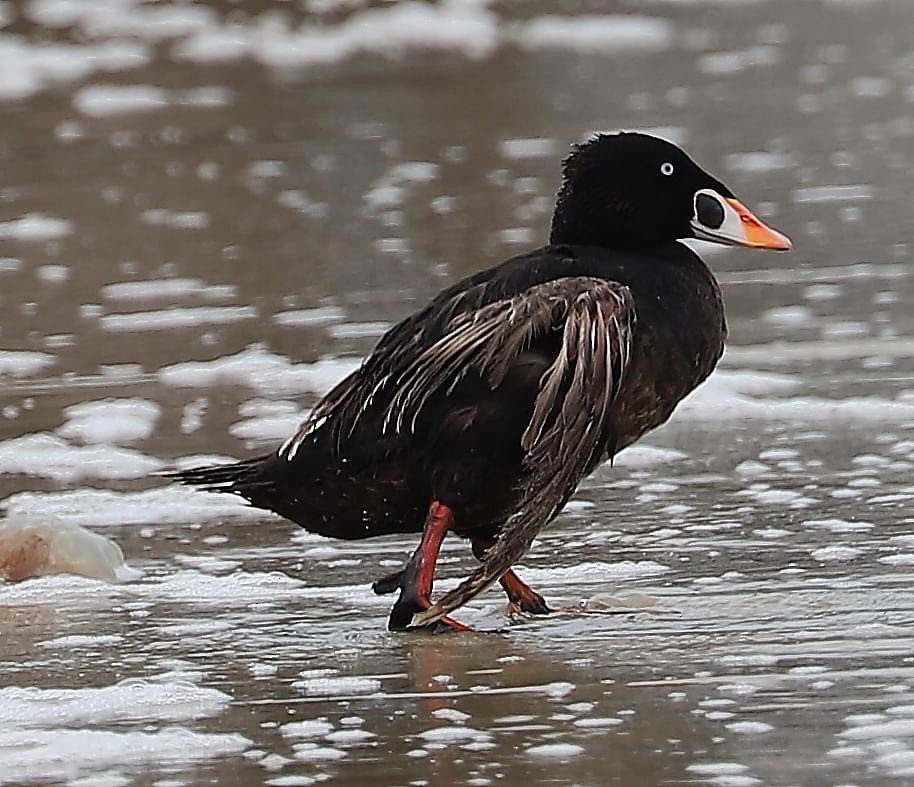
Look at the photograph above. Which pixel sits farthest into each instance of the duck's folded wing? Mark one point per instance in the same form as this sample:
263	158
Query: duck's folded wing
569	419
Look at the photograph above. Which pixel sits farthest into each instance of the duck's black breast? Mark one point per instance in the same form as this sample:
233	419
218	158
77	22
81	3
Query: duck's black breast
680	322
678	339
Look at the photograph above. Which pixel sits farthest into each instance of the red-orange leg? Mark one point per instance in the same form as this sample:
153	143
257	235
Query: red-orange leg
419	574
519	593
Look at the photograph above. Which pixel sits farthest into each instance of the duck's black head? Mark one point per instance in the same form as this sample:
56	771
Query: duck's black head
632	191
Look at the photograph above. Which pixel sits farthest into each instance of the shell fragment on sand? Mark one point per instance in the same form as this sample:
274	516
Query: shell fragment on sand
36	547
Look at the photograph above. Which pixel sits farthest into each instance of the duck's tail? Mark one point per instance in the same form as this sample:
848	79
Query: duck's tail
243	478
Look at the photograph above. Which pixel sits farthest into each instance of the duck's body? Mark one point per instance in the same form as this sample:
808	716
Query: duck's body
480	413
350	478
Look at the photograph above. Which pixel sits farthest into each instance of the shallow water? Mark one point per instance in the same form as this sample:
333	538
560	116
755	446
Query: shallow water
208	214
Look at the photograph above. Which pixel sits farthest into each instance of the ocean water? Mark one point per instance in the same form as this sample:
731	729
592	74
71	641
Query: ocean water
209	214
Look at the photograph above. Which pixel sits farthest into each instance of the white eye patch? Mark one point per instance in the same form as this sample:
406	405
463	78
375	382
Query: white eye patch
666	168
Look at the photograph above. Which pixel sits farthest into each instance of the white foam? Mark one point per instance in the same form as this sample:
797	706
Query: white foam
34	226
52	274
107	100
468	28
728	394
838	525
24	363
240	588
903	559
605	34
158	289
322	315
82	641
267	420
258	368
337	686
128	700
308	728
723	63
179	219
350	737
454	734
559	751
32	547
358	330
392	188
29	67
49	456
790	352
528	148
595	572
120	18
829	194
176	317
311	752
597	722
102	508
749	727
789	315
758	162
639	457
896	728
111	421
718	768
451	714
30	755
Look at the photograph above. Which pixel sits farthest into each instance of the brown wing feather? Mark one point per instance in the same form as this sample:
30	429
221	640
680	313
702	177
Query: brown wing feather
566	429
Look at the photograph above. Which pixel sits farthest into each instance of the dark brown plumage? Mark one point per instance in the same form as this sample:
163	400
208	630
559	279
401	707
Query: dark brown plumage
482	412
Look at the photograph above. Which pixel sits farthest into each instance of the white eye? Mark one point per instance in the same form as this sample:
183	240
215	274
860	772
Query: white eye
666	168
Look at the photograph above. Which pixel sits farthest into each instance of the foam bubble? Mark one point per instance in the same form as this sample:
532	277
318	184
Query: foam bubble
322	315
35	226
260	369
49	456
176	317
105	100
111	421
729	394
559	751
160	289
29	755
468	28
749	727
29	67
829	194
100	508
639	457
758	162
835	553
602	34
128	700
596	572
337	686
535	147
308	728
454	734
23	363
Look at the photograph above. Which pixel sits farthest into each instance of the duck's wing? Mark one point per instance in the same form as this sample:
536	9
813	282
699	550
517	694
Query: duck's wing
568	425
375	382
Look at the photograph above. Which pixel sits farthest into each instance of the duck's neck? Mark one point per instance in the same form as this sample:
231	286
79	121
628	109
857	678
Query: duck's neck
617	228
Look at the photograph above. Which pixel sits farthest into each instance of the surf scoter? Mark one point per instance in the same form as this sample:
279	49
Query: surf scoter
480	413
